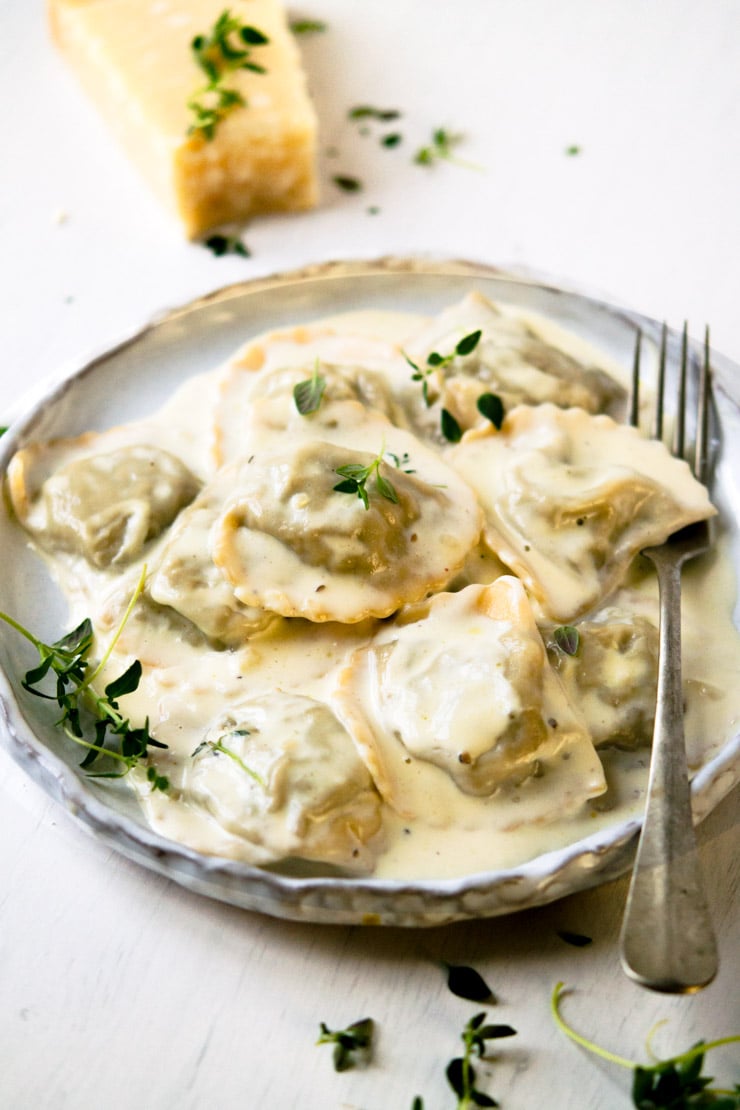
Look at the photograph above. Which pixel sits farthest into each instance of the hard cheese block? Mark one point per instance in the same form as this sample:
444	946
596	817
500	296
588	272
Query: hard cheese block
134	57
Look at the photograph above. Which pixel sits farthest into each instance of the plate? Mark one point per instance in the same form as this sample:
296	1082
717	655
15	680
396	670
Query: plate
138	374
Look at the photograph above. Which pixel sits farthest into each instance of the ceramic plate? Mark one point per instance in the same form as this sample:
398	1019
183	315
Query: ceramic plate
135	376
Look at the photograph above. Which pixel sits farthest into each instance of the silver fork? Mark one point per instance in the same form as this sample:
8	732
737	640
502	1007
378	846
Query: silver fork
667	940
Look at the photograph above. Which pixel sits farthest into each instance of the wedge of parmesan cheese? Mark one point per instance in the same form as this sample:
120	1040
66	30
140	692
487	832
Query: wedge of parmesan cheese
135	60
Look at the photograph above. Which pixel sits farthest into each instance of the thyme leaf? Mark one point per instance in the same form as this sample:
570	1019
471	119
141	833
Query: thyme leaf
220	245
307	26
74	693
567	638
441	149
346	183
309	394
491	406
352	1045
355	478
226	48
578	940
451	430
467	983
366	111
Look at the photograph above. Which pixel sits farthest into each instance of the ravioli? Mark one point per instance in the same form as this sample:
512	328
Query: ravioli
280	772
510	360
456	694
290	542
612	677
106	507
256	388
570	499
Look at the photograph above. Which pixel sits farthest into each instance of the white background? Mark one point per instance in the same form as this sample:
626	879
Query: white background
119	990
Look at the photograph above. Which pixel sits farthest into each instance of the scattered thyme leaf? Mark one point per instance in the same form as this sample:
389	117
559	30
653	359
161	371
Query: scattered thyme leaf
309	394
491	406
67	659
578	940
567	638
3	429
355	478
352	1046
308	26
394	139
573	150
441	149
366	111
451	430
468	343
346	183
227	47
672	1084
226	244
467	983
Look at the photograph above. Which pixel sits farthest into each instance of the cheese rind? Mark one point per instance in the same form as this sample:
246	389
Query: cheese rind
135	61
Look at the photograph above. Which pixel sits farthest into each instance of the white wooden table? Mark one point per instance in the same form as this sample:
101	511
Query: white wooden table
119	990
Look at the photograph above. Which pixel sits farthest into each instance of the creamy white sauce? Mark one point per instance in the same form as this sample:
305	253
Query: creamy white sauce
188	683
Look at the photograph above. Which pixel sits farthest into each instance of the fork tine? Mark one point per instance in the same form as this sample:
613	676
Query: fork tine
660	384
679	434
634	413
701	451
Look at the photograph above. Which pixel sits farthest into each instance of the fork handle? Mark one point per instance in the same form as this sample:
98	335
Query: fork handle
667	940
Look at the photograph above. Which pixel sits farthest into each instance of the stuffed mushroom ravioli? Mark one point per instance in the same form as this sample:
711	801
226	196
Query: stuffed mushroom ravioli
460	717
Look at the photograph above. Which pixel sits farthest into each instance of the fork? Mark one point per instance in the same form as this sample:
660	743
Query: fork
667	940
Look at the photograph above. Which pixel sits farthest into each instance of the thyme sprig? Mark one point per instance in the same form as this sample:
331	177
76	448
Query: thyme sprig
355	477
436	361
460	1071
219	746
67	659
226	48
672	1084
352	1045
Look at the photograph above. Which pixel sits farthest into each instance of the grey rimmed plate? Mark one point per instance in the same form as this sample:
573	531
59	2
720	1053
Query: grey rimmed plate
137	375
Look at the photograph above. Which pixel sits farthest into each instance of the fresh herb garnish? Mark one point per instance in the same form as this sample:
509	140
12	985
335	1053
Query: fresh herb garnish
346	183
441	148
307	26
391	140
401	462
309	394
491	406
673	1084
467	983
460	1071
352	1045
219	746
355	478
572	150
67	659
222	51
365	111
3	429
567	638
451	430
436	361
578	940
226	244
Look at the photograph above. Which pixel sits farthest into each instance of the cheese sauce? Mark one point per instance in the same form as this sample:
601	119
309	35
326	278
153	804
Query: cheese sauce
373	678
